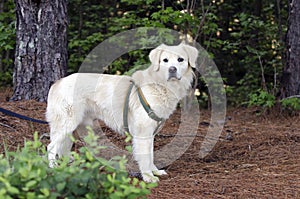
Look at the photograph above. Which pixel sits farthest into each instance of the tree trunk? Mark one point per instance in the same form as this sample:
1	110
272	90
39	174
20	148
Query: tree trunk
41	47
291	73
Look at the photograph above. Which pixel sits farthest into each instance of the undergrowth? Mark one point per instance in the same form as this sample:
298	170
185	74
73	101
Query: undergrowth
25	174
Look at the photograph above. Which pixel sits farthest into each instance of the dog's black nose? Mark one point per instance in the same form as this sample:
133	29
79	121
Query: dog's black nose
172	69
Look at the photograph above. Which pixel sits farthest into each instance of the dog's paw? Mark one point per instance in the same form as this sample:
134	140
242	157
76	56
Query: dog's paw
52	164
149	177
160	172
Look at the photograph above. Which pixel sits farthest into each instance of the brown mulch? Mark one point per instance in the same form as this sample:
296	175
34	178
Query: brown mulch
257	156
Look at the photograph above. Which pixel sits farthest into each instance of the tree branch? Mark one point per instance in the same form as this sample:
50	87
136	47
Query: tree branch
204	14
293	96
263	79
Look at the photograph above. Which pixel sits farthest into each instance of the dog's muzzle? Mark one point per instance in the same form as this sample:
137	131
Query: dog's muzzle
173	73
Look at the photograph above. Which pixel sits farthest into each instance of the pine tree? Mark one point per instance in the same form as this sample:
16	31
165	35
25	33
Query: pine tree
41	47
291	73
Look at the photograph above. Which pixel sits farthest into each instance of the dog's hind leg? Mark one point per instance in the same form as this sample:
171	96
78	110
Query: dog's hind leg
60	144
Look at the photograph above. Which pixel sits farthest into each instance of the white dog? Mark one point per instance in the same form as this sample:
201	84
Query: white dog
75	101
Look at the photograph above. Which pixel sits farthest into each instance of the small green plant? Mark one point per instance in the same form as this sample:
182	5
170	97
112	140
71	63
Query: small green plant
291	103
261	98
25	174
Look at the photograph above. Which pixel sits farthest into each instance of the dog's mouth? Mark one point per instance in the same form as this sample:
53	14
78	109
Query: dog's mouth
173	77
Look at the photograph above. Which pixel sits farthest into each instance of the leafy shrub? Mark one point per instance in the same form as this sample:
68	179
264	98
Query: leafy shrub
262	98
7	41
6	78
25	174
291	103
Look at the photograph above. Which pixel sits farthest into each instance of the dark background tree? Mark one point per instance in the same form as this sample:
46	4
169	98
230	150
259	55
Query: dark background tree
291	72
41	47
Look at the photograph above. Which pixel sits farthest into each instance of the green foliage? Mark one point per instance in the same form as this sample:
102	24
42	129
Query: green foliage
262	98
7	42
292	103
7	27
25	174
118	17
255	49
6	77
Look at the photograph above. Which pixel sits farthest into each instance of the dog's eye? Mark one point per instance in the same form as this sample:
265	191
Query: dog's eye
180	59
165	60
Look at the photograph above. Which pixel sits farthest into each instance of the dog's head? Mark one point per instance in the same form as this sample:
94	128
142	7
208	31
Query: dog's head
174	61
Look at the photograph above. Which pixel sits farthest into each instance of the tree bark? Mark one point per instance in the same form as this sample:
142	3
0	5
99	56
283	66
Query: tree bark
41	47
291	74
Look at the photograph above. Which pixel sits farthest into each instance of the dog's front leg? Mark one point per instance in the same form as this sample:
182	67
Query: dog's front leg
143	154
155	170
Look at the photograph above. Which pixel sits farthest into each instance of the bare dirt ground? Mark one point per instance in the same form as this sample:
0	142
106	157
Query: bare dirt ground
257	156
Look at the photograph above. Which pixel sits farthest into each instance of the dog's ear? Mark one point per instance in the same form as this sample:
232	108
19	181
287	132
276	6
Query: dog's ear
154	56
192	53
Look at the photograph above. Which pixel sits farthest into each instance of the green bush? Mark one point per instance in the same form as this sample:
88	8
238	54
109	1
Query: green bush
25	174
291	103
261	98
7	41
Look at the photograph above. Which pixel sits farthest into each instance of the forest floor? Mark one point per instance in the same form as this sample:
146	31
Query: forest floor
257	156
